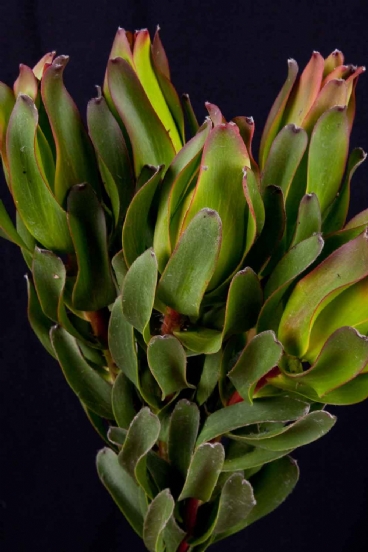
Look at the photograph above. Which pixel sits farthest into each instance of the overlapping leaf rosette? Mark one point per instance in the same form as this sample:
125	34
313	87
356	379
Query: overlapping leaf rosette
203	308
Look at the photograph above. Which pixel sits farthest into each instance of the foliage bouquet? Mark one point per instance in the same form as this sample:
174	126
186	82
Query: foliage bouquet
205	305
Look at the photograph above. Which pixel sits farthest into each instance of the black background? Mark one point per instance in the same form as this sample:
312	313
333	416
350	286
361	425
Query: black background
232	53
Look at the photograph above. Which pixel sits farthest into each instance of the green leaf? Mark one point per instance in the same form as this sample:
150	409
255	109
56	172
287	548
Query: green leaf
122	342
200	340
7	101
174	189
254	200
309	219
292	265
112	155
39	323
173	535
161	472
256	219
190	115
348	309
247	127
347	234
275	409
39	210
337	213
328	150
302	432
168	363
98	423
7	229
49	277
272	231
158	515
121	487
137	229
336	364
342	268
150	141
28	240
139	290
75	159
204	470
236	502
243	303
224	157
90	388
260	355
142	435
273	122
352	392
120	268
272	485
192	264
334	92
169	93
94	287
284	157
241	456
123	393
209	377
184	421
305	91
144	67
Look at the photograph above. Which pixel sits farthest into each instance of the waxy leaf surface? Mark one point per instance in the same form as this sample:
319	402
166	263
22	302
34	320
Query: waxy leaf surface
137	229
39	210
121	487
112	155
139	290
147	76
243	303
123	393
336	364
150	141
275	409
174	187
89	386
345	266
94	287
308	222
142	435
75	159
158	514
168	363
224	157
284	157
122	343
328	150
184	422
302	432
192	264
203	472
260	355
236	502
274	118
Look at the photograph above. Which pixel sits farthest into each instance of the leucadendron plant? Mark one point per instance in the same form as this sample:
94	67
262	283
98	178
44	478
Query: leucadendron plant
204	306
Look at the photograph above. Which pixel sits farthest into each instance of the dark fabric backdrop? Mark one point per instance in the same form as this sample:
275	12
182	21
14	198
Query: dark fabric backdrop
232	53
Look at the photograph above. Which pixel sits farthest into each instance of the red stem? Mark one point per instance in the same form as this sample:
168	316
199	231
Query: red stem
191	510
172	321
236	398
99	321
